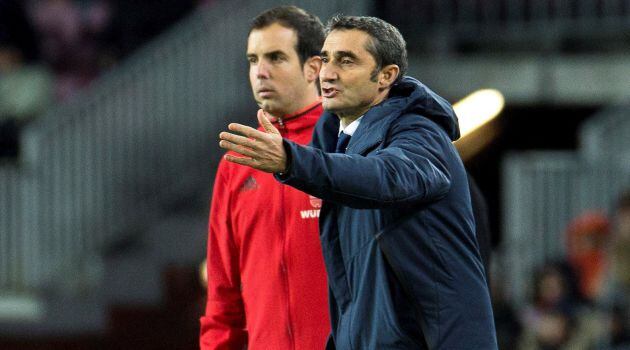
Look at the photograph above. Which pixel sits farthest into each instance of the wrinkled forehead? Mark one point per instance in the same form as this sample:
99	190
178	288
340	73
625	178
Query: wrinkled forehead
353	40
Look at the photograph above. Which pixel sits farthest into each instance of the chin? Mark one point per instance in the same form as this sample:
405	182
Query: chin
266	105
272	110
331	107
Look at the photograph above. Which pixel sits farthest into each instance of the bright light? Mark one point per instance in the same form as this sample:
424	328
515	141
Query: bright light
477	109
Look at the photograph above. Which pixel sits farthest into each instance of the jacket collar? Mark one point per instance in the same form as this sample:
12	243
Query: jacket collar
372	129
304	111
407	96
298	122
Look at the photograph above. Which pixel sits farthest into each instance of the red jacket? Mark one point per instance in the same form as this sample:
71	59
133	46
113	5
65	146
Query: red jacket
266	276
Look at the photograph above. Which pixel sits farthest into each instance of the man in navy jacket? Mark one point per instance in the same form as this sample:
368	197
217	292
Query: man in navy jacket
396	227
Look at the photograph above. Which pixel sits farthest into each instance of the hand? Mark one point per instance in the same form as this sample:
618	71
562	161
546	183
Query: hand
261	150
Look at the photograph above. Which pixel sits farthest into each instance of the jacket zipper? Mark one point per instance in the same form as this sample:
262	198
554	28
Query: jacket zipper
283	265
281	126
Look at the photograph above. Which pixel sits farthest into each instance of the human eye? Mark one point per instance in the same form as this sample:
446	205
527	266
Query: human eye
252	60
346	60
324	59
276	57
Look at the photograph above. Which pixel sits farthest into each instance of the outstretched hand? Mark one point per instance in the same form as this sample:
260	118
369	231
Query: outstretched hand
260	150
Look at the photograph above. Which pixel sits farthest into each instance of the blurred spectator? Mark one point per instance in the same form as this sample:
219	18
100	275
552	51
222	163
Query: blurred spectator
557	319
550	332
621	244
82	38
76	40
555	288
620	274
71	34
587	242
25	87
25	92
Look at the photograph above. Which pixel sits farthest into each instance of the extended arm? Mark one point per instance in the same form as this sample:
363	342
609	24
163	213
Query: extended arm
409	170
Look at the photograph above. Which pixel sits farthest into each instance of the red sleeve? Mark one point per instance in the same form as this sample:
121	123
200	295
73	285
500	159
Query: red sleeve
223	325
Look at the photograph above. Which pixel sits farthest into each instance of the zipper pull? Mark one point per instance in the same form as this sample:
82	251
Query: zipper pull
281	125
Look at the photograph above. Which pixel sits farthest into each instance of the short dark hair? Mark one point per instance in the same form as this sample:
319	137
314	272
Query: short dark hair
387	45
309	29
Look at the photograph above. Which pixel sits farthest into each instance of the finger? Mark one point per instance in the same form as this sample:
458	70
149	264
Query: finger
266	124
237	139
236	148
239	160
245	130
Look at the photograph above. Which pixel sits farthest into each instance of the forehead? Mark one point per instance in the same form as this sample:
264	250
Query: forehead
353	40
271	38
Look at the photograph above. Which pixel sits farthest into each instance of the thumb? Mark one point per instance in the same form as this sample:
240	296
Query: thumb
266	124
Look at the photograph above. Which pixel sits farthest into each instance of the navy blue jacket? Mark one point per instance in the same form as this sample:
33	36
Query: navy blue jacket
397	228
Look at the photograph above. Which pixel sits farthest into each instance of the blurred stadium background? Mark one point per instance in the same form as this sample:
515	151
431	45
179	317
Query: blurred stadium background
109	116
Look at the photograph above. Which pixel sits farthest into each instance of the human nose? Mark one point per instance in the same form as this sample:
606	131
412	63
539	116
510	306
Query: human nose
328	73
262	70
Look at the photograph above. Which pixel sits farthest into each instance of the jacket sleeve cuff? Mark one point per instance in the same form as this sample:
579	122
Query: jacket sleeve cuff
283	176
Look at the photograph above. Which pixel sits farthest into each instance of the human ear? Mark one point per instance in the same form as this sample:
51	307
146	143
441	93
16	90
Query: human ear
311	68
387	76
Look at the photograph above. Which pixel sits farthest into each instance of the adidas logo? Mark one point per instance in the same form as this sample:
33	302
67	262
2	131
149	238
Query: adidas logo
249	184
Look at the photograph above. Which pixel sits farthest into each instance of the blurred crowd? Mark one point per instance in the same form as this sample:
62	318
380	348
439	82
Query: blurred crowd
51	49
581	301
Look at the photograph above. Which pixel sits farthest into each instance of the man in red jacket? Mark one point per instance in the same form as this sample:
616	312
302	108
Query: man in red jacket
266	276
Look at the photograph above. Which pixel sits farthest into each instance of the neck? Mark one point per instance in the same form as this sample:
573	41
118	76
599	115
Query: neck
347	117
305	102
303	110
345	121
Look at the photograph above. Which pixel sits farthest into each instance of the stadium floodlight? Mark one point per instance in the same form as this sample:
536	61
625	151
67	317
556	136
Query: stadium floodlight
477	109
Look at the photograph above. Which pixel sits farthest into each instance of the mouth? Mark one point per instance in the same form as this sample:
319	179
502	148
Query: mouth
265	92
329	92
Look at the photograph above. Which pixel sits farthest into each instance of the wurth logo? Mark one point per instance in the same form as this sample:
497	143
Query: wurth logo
309	214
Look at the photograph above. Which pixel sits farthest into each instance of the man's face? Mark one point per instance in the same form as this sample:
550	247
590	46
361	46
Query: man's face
347	87
275	73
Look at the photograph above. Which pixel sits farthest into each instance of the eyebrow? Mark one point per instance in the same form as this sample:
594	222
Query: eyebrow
276	52
340	54
268	54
